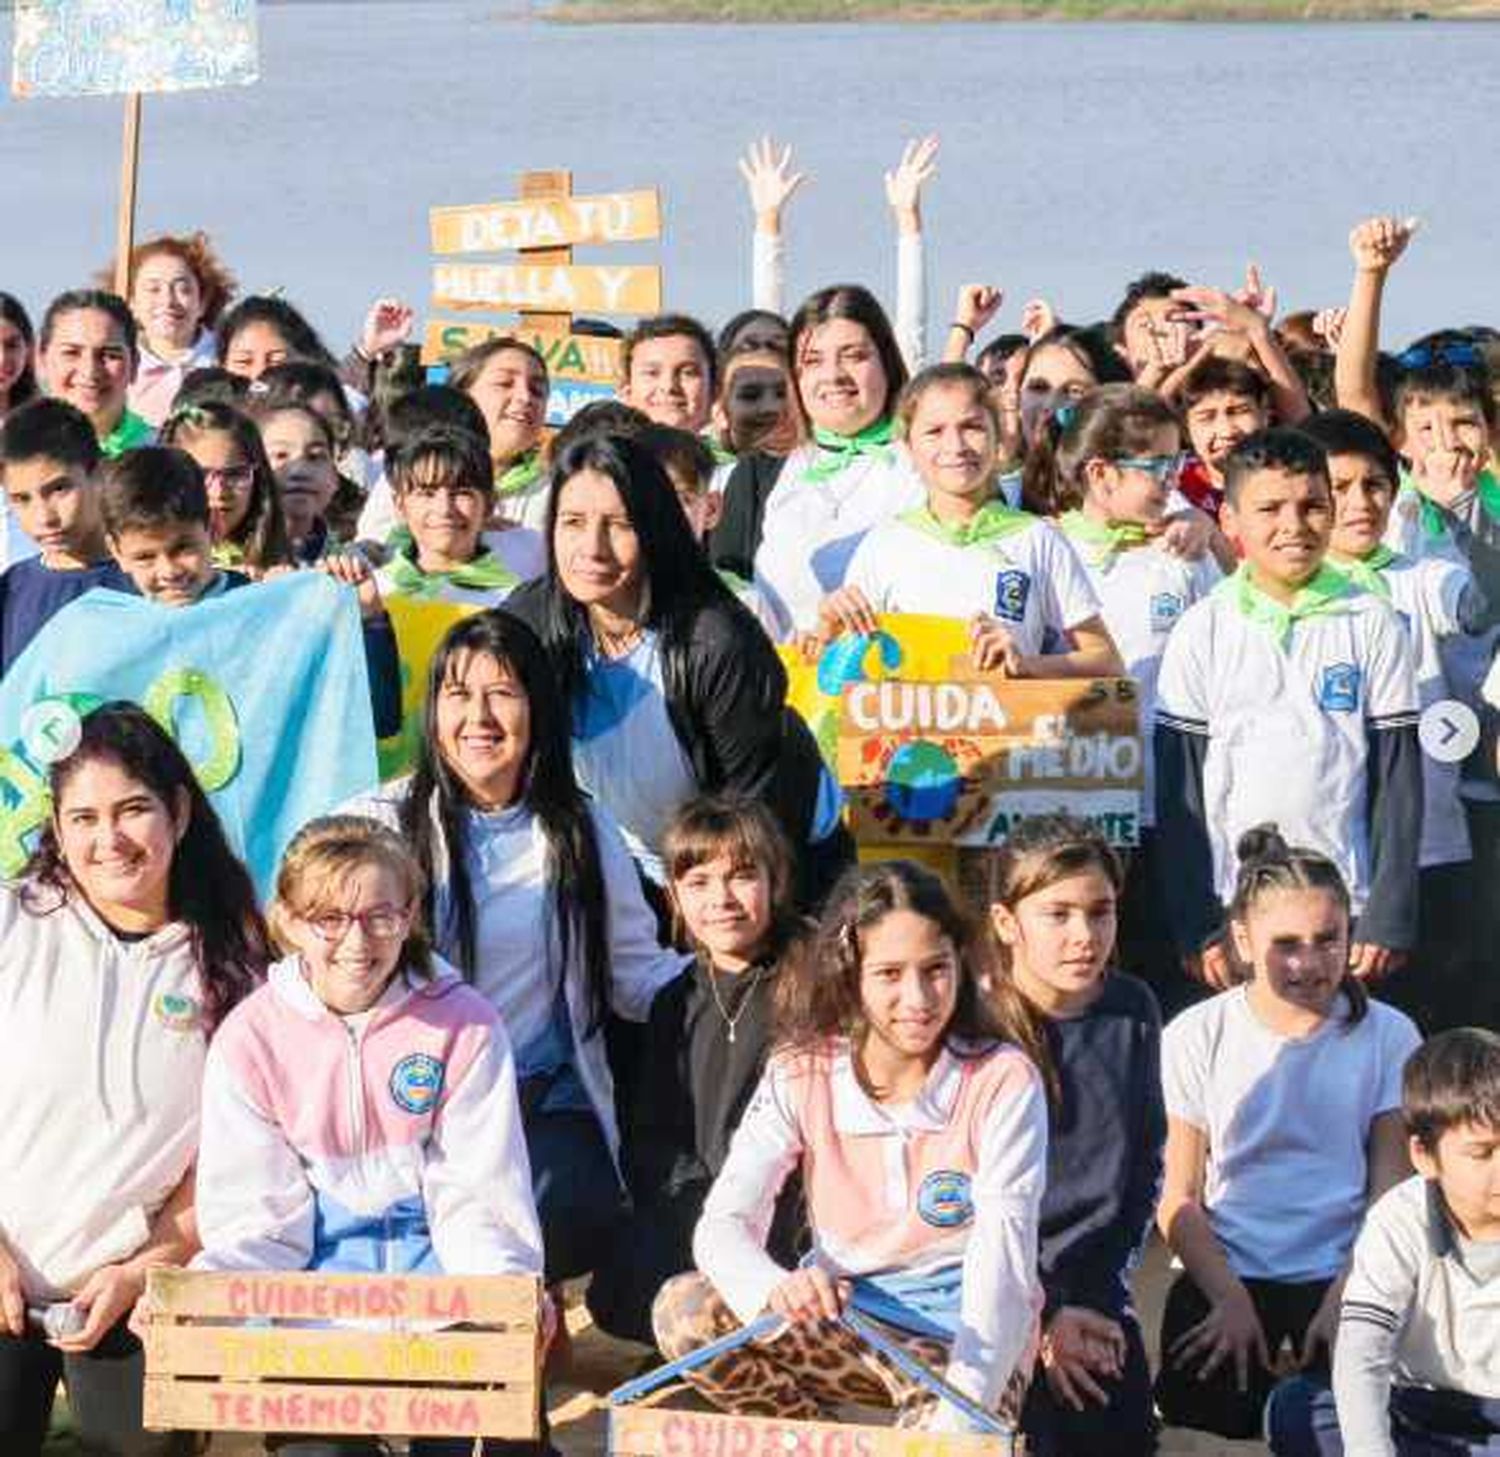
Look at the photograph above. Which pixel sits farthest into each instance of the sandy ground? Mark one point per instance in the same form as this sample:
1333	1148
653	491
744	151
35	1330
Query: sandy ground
599	1363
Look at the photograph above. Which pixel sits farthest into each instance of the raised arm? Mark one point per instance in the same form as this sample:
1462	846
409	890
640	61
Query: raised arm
770	183
1376	245
903	192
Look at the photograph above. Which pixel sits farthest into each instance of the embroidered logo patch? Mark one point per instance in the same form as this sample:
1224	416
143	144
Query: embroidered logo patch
1012	588
1338	689
1166	608
416	1082
176	1013
944	1200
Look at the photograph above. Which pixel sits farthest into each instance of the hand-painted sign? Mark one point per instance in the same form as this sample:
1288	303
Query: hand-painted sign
572	357
615	217
545	288
101	47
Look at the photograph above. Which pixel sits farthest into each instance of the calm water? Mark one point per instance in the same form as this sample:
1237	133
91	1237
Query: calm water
1074	156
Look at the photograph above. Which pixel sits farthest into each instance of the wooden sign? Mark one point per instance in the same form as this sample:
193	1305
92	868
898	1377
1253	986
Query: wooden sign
363	1354
586	358
567	289
557	222
636	1431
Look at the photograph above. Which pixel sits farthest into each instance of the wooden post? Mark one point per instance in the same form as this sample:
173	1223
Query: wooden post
536	186
130	162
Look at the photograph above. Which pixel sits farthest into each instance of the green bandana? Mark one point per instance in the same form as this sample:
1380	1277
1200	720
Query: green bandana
1327	594
130	434
522	473
1365	572
721	453
486	573
1100	542
836	453
227	554
992	522
1435	519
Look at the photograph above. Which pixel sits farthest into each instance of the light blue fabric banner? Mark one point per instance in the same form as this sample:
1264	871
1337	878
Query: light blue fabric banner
265	689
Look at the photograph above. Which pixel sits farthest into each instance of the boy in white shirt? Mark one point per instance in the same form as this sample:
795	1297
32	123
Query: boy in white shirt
1416	1369
1288	696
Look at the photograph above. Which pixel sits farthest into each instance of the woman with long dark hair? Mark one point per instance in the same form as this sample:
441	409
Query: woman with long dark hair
127	940
673	688
532	896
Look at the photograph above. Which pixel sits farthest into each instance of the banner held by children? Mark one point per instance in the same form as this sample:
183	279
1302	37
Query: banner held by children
277	734
929	751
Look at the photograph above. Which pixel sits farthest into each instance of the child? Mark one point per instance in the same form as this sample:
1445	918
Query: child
1438	601
1222	402
444	491
507	380
433	1178
671	370
965	554
244	500
921	1137
1287	694
301	447
301	382
261	331
730	880
48	456
156	522
86	355
755	410
1283	1125
1054	899
1115	458
1417	1367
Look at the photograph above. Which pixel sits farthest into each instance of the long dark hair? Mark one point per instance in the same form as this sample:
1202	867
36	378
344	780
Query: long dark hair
677	581
432	817
859	306
13	312
262	534
207	888
820	998
302	340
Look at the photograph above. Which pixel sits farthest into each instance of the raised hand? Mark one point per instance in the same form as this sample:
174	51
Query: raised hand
770	181
903	187
978	303
387	326
1037	318
1377	243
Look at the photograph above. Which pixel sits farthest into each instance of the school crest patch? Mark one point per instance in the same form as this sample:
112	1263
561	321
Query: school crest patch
177	1013
1166	608
1012	590
945	1200
1338	688
416	1082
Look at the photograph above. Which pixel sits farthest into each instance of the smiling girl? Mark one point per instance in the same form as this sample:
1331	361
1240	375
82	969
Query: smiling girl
86	355
131	934
1283	1125
919	1126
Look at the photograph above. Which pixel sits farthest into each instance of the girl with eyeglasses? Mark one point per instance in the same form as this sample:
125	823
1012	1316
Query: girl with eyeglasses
360	1111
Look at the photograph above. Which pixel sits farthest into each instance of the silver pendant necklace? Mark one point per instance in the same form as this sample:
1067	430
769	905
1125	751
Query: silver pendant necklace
713	986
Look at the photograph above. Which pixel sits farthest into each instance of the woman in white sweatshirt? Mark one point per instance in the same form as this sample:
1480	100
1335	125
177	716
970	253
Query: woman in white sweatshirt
132	933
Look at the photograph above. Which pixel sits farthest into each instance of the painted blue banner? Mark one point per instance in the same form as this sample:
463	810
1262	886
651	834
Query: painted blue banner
106	47
264	688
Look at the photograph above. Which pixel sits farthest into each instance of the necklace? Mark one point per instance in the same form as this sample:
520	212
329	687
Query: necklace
713	986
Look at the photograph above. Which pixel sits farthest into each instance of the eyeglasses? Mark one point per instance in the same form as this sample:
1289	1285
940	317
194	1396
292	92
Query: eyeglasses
1458	354
460	495
236	477
379	923
1161	468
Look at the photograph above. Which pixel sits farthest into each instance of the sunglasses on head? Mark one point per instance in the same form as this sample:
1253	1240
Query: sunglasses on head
1460	354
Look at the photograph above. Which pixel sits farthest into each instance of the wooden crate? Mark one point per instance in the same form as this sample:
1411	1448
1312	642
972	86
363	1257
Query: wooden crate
661	1431
400	1355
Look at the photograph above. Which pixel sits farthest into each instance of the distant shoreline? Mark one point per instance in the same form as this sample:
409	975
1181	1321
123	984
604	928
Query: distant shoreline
594	12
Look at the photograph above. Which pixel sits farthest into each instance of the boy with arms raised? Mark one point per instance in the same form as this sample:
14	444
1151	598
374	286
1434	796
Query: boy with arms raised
1288	696
49	454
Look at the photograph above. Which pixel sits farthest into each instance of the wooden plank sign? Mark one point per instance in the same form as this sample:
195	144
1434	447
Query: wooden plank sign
560	222
378	1355
584	358
640	1431
562	289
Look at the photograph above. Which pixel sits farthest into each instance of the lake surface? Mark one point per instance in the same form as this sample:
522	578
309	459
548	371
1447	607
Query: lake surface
1074	156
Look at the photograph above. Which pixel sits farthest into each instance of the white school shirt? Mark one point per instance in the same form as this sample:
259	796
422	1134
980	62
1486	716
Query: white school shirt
812	529
1287	1123
1426	593
1030	581
1143	592
1287	725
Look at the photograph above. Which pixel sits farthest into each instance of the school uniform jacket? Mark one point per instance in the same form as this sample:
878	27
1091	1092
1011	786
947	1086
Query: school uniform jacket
390	1144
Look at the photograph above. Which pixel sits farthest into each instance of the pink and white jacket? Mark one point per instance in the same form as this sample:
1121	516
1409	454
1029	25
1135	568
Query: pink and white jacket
897	1193
385	1143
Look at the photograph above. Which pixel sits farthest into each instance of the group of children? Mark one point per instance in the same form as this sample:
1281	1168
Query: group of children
594	990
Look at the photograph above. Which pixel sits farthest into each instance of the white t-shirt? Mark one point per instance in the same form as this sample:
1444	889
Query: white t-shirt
1288	1123
1143	592
626	752
812	528
1030	581
1288	724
